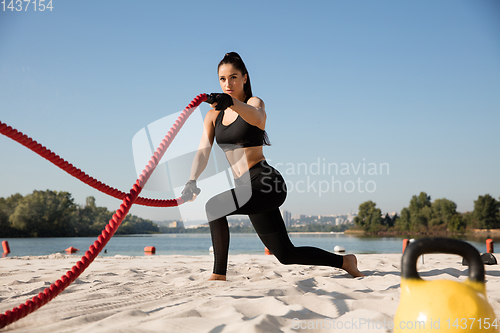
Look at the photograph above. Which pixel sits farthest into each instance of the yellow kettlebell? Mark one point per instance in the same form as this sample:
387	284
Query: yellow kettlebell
443	305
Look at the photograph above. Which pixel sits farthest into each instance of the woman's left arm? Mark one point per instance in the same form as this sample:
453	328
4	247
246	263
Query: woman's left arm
253	112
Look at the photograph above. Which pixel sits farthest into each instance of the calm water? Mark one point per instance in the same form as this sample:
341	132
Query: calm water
199	244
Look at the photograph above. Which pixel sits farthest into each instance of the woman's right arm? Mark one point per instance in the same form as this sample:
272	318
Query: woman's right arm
202	155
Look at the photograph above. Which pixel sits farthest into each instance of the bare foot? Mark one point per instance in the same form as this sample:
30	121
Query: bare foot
350	265
217	277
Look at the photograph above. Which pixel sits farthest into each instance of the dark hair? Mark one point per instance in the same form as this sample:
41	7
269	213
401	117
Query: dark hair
234	59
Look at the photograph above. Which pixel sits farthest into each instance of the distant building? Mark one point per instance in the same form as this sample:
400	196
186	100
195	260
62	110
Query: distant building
287	217
350	217
176	224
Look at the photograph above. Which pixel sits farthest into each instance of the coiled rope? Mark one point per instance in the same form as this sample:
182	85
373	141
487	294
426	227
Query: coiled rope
129	199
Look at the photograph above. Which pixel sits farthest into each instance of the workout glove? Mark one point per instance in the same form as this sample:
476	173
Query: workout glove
223	101
189	190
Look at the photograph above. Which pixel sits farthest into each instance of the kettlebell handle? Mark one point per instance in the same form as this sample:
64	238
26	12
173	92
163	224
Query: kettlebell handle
441	245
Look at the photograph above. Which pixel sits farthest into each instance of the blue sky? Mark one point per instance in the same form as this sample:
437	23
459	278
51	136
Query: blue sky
412	86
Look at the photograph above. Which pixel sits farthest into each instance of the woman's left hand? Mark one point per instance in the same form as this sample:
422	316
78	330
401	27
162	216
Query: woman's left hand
190	191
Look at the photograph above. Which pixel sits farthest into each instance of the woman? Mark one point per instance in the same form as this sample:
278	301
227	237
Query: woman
238	123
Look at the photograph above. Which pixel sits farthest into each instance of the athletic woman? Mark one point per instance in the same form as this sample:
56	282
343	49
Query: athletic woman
238	123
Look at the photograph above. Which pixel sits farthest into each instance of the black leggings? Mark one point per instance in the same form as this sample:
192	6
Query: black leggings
258	194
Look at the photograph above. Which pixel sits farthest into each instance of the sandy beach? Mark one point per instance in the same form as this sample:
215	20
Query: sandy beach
172	294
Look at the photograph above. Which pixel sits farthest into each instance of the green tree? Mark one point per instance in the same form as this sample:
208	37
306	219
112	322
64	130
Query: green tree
468	219
44	214
444	217
403	223
101	217
7	207
90	202
486	212
420	212
457	223
84	218
369	217
443	211
5	228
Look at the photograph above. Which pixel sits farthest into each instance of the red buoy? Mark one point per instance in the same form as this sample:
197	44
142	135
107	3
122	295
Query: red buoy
71	249
405	244
267	252
5	246
489	245
150	249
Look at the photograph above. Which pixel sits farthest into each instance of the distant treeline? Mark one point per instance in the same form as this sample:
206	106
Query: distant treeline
54	214
426	217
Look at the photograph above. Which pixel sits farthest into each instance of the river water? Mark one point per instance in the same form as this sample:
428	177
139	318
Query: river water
199	244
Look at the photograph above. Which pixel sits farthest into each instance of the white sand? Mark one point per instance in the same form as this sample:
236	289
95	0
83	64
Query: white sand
171	294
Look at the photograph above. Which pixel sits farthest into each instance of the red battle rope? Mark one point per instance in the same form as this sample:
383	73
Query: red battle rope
128	200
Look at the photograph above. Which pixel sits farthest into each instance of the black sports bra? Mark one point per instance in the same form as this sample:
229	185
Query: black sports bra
238	134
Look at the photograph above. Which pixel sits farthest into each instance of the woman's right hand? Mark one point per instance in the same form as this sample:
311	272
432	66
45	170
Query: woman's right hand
190	191
219	101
